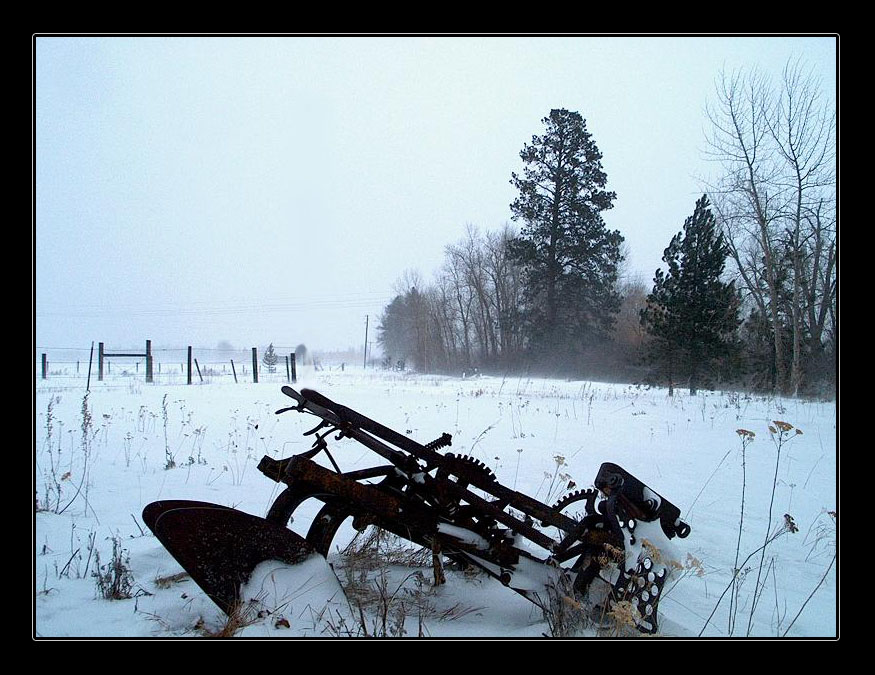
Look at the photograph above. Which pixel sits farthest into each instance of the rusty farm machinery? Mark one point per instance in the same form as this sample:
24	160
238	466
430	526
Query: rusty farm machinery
607	536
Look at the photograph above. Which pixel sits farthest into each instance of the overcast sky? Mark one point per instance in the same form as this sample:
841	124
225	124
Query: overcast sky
255	190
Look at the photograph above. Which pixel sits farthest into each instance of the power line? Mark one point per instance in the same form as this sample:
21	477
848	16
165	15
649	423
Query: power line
218	310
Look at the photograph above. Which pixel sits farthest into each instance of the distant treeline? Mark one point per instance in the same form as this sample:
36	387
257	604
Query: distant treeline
747	296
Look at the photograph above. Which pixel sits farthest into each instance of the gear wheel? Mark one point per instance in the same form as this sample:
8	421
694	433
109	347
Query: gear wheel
467	470
588	494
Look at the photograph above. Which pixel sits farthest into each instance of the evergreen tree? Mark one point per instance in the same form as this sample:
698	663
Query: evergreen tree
691	314
302	356
270	359
393	331
406	331
569	256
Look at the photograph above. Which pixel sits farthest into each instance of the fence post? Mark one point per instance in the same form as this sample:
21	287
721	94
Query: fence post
44	365
148	361
90	357
255	365
198	371
234	370
288	372
294	370
189	364
100	362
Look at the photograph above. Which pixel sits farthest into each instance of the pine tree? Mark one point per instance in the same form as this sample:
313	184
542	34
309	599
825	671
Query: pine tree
406	331
691	314
270	359
569	256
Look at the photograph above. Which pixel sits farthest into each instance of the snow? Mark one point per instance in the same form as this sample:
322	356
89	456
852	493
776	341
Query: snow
537	435
464	536
305	595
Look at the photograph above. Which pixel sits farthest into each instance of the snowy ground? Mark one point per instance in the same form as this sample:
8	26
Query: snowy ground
535	434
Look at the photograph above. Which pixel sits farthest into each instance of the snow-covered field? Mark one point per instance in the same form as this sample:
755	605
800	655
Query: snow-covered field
537	435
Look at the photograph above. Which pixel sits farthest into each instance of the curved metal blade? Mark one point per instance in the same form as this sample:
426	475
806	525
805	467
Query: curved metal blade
220	546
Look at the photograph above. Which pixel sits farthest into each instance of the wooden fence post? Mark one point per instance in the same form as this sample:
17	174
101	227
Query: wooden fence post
189	365
148	361
100	362
234	370
198	370
255	365
44	365
294	369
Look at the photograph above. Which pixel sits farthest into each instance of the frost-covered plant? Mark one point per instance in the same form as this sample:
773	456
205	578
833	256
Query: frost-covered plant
821	535
169	460
519	454
115	581
564	613
781	433
559	481
52	476
127	440
834	516
85	445
195	455
747	437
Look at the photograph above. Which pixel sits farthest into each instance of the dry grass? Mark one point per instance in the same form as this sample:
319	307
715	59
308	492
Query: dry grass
386	580
243	615
167	582
602	611
114	579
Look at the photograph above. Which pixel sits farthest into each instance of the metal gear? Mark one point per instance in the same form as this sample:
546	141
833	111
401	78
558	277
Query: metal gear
467	469
589	495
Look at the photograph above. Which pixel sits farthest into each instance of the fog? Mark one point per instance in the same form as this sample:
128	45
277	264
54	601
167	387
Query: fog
193	190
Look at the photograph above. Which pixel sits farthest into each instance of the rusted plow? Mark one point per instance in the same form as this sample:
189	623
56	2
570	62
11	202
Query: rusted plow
609	535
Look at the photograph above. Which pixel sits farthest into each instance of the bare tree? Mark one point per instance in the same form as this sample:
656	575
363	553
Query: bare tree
629	333
773	195
486	287
820	277
466	258
506	279
461	298
746	206
468	316
803	130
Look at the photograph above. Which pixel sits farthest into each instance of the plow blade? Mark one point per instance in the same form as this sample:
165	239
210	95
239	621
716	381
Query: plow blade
219	546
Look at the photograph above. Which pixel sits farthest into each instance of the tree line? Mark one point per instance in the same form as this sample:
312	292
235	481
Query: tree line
748	296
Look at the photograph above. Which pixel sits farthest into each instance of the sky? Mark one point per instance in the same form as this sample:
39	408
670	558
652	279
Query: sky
192	190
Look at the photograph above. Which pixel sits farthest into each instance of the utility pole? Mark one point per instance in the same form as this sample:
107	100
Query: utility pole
365	364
